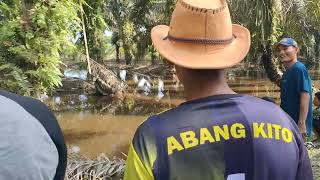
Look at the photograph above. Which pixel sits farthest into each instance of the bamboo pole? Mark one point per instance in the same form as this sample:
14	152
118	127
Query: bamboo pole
85	37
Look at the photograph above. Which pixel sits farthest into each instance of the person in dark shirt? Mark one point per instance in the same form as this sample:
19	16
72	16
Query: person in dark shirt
316	115
32	145
296	86
270	99
216	134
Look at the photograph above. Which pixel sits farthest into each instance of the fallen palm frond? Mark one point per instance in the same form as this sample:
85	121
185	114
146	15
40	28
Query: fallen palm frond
81	168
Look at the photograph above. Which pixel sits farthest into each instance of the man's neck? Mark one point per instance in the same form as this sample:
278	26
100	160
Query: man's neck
288	65
200	90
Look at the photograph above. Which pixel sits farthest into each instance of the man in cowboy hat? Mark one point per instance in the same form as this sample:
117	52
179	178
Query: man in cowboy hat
216	133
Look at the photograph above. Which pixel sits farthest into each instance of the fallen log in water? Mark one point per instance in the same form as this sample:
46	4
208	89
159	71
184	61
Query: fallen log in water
106	82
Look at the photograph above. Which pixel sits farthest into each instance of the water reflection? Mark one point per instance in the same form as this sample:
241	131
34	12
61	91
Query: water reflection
79	74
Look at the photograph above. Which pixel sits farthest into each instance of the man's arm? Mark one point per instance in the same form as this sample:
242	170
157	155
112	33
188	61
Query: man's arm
142	154
304	107
135	168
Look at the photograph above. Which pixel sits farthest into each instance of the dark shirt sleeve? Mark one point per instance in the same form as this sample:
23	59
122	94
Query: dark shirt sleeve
142	155
50	123
303	80
304	171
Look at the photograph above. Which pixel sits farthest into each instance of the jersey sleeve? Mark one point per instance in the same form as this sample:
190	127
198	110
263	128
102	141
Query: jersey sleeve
304	171
142	155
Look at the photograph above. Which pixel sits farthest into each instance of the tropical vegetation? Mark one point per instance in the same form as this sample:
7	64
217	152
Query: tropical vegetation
39	38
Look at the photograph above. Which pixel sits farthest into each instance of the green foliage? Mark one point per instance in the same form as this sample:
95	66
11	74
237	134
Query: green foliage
268	20
145	15
31	41
14	79
117	18
132	21
95	26
36	35
261	18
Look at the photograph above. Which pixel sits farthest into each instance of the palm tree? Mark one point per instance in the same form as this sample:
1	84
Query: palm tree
26	6
117	18
268	20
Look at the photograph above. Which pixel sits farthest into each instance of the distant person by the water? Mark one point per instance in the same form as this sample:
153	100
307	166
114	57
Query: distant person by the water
216	134
316	115
295	85
32	146
144	87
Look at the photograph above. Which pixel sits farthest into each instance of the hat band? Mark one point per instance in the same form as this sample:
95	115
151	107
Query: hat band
201	41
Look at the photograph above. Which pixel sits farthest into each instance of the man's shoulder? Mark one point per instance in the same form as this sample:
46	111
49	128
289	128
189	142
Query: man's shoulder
239	103
28	137
32	106
22	100
300	67
255	102
253	106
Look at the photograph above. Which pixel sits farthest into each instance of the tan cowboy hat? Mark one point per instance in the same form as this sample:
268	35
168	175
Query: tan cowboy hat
202	36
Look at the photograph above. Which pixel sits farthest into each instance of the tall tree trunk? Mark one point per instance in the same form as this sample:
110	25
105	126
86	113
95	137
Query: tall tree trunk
115	41
126	47
153	56
317	45
85	37
26	5
125	44
117	53
127	53
272	70
270	66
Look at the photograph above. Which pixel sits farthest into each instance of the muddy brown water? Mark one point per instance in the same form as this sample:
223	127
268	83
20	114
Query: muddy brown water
94	134
95	125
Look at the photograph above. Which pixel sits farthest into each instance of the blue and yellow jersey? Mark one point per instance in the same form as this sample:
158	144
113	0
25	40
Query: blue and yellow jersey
232	137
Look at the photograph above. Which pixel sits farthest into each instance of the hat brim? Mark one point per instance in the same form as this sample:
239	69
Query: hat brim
200	56
285	45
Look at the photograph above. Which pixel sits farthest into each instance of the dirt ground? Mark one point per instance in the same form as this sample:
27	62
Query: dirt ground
315	162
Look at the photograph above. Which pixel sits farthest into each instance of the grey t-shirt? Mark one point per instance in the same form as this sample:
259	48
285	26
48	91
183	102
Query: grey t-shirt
26	150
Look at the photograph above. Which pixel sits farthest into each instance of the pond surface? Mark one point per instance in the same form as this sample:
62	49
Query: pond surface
93	124
93	134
